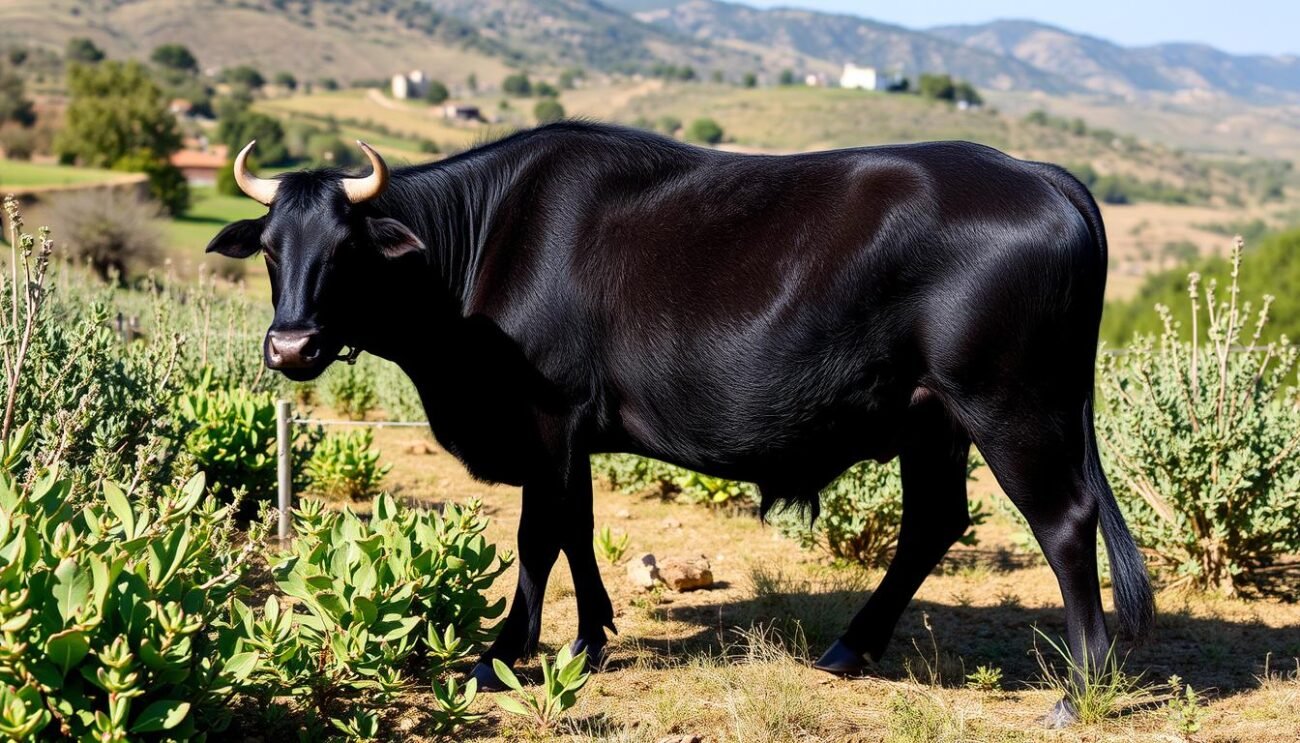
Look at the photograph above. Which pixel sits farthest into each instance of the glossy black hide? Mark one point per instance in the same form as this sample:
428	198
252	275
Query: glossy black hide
581	288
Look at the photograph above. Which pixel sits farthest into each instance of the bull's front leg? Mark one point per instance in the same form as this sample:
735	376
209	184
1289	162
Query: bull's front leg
556	516
538	545
595	612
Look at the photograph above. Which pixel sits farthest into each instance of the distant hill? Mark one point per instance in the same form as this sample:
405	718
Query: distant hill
805	39
590	34
1000	55
1107	67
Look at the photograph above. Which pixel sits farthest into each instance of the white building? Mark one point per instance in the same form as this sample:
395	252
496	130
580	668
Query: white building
411	85
862	78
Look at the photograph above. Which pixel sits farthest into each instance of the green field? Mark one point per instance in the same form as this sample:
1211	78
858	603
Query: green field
15	174
209	212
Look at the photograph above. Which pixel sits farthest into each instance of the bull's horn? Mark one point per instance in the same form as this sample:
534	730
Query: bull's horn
260	190
367	188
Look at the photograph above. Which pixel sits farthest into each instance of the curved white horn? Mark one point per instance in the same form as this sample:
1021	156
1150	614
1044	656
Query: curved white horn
260	190
367	188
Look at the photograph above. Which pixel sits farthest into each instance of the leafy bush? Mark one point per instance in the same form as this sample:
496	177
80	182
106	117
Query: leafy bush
436	92
548	110
610	547
1203	435
351	391
637	475
98	404
345	466
517	84
371	595
704	131
861	513
231	437
114	232
113	611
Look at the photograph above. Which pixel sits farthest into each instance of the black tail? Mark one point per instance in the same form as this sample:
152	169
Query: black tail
1134	602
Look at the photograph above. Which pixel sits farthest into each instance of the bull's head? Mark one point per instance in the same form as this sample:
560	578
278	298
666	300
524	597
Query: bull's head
327	252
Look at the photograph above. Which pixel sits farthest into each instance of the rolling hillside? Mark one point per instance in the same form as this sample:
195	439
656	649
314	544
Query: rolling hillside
1106	67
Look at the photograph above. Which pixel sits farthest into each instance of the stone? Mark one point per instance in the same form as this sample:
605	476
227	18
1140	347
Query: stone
642	572
687	574
672	523
623	513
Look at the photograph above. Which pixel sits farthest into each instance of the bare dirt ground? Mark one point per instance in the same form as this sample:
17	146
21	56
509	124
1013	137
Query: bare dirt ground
732	663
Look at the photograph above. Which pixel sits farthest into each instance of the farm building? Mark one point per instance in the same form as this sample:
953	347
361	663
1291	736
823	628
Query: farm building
862	78
410	85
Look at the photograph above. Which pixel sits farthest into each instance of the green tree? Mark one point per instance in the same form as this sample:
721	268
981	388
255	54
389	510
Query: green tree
237	126
750	80
569	77
517	84
705	131
115	110
328	83
286	80
175	57
548	110
546	90
83	50
965	92
938	87
243	75
471	82
787	77
436	92
14	104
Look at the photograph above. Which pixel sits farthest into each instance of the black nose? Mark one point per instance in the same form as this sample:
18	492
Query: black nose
292	349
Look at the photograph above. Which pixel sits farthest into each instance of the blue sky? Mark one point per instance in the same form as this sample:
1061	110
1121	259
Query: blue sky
1241	26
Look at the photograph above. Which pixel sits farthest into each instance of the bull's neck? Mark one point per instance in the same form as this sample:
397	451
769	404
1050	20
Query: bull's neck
452	206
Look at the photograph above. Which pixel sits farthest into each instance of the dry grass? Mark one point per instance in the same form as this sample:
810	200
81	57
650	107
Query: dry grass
732	663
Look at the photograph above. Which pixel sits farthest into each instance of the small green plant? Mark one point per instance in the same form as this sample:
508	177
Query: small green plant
346	466
561	683
985	678
1094	690
610	547
1184	707
351	391
453	705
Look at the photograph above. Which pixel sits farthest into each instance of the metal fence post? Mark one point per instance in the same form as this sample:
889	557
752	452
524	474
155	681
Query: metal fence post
284	465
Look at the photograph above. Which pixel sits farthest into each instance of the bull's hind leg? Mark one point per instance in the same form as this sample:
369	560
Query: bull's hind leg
1041	457
933	464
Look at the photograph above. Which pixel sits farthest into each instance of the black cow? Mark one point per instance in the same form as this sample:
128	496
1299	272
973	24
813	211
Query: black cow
581	288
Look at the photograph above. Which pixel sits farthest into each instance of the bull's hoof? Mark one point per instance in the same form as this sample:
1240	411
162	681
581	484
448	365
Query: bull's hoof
1062	715
840	660
596	655
486	678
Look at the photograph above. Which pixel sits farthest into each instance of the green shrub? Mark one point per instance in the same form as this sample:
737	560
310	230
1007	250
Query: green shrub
230	434
704	131
436	92
345	466
861	513
351	391
372	595
1202	436
517	84
638	475
113	611
98	403
548	110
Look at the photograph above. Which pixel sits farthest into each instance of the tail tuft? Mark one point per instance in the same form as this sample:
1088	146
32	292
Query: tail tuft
1134	602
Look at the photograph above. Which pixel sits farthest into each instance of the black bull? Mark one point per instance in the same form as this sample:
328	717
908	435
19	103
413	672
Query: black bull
775	319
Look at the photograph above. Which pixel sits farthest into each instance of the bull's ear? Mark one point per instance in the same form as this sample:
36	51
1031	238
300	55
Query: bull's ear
394	239
238	239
